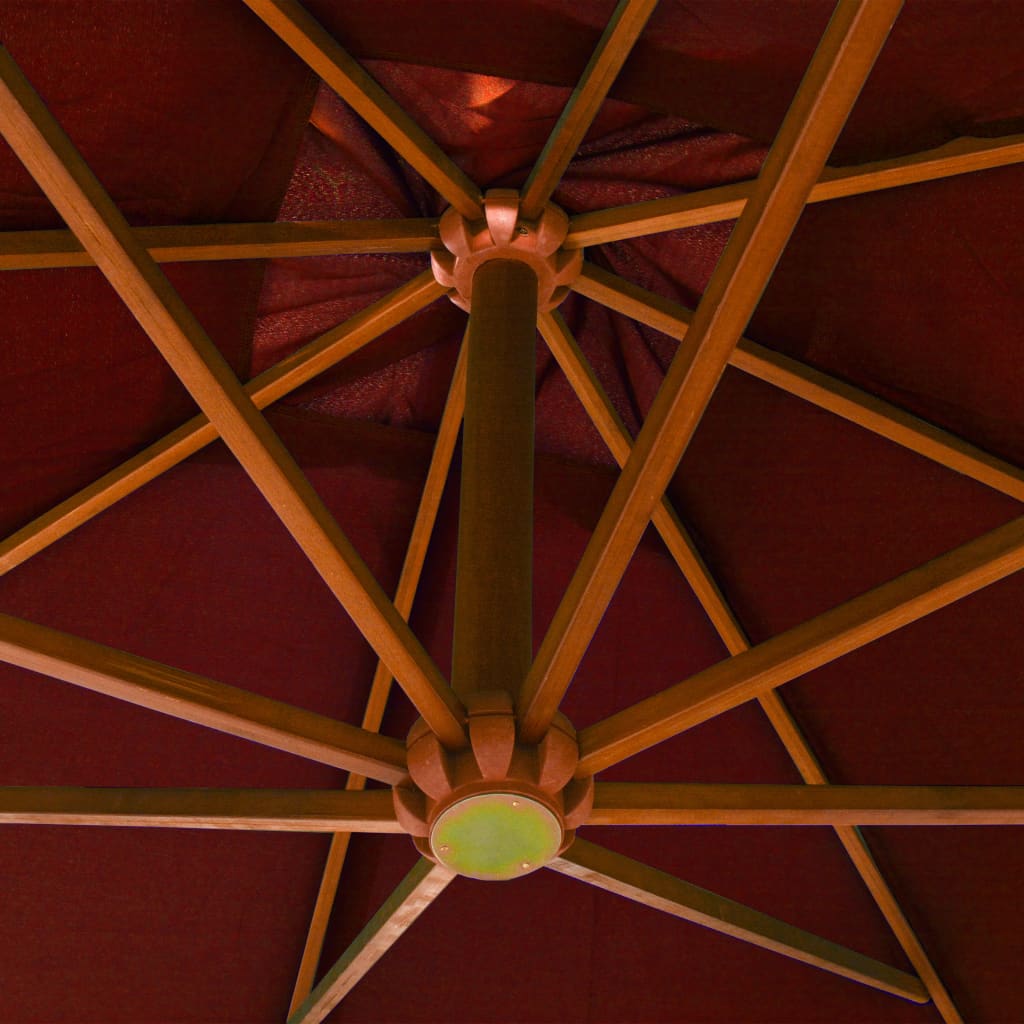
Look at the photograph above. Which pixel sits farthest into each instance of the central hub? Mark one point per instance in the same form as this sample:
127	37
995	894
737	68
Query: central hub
498	809
502	234
495	836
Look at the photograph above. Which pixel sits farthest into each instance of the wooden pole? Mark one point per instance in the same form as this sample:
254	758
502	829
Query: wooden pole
493	643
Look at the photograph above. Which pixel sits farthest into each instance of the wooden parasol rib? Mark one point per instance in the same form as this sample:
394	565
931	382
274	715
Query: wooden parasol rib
262	810
962	156
669	803
43	250
194	698
616	42
812	385
300	31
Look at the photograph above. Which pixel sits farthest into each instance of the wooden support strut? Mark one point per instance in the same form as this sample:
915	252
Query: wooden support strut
632	880
874	614
49	155
584	382
844	57
623	29
301	366
493	641
820	389
408	583
424	883
309	40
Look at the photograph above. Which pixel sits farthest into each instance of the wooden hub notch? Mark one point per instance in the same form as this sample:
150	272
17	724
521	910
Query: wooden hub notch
501	234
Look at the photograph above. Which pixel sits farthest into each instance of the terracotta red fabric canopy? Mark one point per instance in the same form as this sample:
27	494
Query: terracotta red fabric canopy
194	112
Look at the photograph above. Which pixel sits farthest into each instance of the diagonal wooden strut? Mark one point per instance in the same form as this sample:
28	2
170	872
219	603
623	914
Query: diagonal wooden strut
670	803
616	42
812	385
260	810
962	156
616	437
194	698
879	417
829	636
300	31
286	375
626	877
405	594
59	170
843	59
684	552
424	883
42	250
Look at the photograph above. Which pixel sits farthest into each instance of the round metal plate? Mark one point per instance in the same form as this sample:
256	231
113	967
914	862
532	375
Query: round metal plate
495	836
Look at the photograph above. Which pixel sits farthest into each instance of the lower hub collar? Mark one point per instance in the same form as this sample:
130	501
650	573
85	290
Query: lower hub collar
499	809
